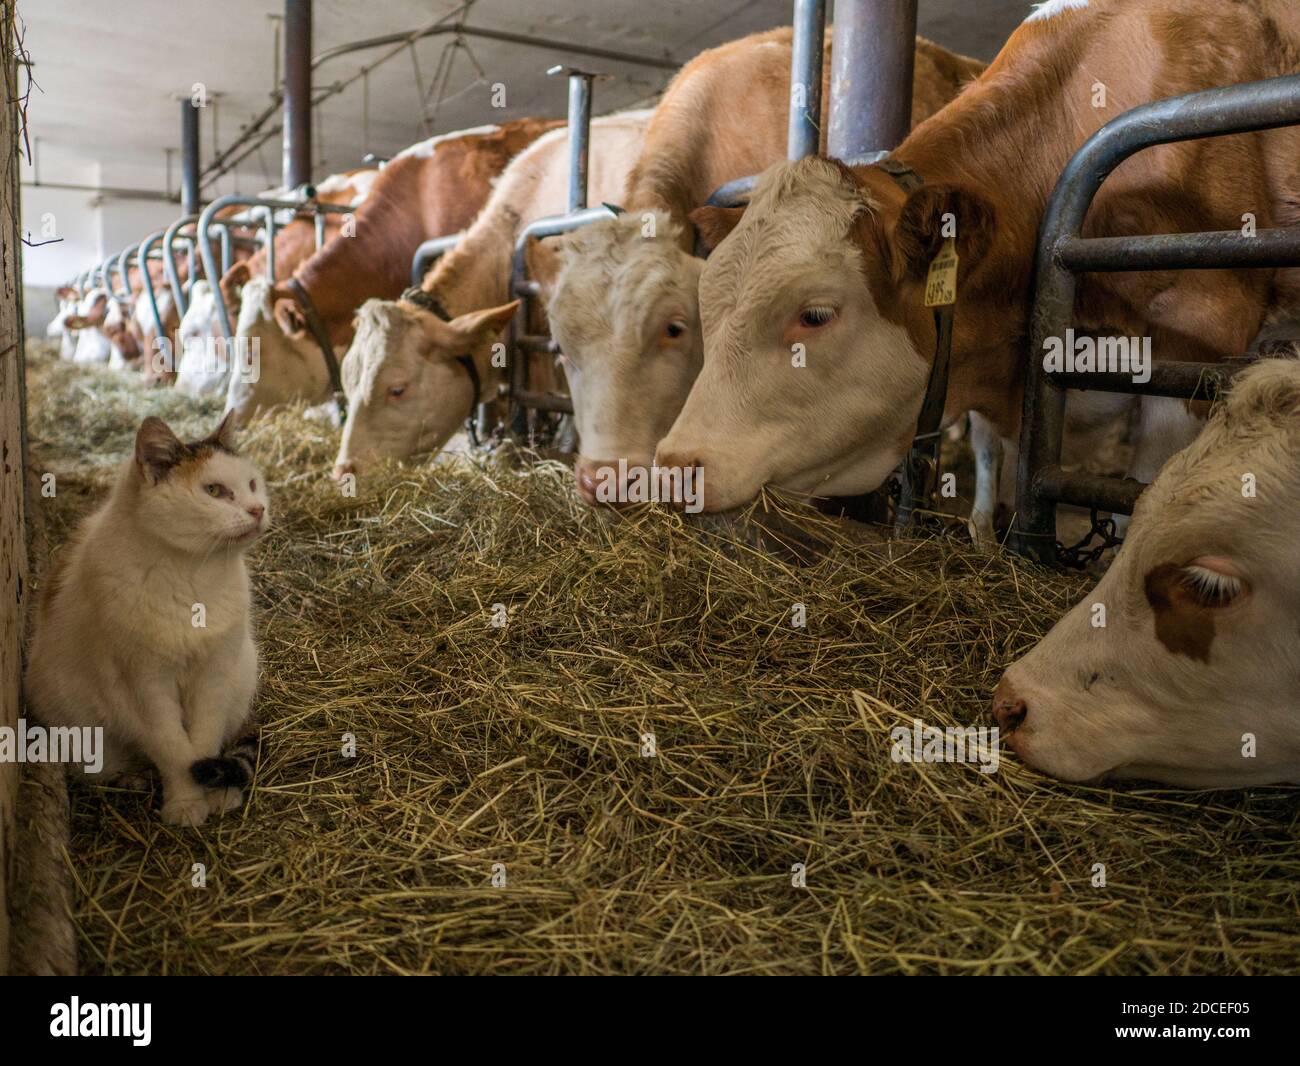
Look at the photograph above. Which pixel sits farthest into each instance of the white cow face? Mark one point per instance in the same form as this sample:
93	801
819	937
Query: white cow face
624	308
1183	664
93	345
812	377
276	360
204	363
407	393
58	327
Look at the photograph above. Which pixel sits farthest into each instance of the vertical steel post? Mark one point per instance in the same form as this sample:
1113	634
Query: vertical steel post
806	78
872	58
297	93
189	157
268	235
579	138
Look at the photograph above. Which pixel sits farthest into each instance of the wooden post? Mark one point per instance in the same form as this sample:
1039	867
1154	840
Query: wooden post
13	464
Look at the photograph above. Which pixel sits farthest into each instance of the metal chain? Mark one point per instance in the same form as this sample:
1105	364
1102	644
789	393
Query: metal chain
1080	556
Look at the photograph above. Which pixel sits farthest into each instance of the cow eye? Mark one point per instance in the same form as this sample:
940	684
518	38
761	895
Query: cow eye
675	329
396	392
1211	588
816	317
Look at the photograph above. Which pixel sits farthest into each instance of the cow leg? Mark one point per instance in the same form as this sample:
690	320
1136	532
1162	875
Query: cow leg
988	448
1165	427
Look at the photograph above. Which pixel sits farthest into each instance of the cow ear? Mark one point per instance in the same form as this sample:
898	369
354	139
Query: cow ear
224	435
480	324
289	318
714	224
931	215
543	261
233	282
157	449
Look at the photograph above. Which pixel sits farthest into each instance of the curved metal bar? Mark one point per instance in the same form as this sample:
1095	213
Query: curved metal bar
229	240
146	246
427	253
124	267
521	287
207	217
1246	108
170	236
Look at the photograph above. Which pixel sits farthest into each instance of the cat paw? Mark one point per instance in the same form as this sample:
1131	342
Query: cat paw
224	800
131	782
185	810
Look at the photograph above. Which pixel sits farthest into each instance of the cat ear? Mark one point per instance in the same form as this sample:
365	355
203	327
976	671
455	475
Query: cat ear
224	435
157	448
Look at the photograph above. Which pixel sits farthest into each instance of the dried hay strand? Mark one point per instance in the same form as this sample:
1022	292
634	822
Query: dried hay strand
523	746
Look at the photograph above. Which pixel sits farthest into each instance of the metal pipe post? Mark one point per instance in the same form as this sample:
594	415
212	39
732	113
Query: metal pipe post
872	58
806	78
189	157
297	93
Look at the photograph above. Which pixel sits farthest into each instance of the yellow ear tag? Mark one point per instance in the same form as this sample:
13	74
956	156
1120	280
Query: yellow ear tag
941	281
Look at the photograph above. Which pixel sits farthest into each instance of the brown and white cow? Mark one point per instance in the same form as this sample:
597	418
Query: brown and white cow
834	259
203	365
100	326
622	294
432	189
1183	664
68	299
408	390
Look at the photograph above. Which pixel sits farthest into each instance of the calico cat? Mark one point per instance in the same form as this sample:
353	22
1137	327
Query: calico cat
143	627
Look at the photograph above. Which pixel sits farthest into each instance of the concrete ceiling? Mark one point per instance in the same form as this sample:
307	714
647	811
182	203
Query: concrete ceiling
110	74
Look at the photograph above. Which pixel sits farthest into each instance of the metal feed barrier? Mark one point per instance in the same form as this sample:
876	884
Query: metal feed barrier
1063	253
268	208
520	343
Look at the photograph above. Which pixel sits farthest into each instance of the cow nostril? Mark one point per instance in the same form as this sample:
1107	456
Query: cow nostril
1010	713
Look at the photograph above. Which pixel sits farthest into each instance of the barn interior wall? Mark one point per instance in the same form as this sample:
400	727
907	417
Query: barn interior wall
13	533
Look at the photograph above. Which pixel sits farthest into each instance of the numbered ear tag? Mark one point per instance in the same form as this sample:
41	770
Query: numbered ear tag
941	281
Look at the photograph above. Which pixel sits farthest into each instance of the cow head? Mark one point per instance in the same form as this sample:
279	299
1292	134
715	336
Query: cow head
623	304
93	345
1183	664
817	346
203	364
276	359
407	390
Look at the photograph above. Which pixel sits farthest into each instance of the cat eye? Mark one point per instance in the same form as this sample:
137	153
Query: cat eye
816	317
215	490
252	485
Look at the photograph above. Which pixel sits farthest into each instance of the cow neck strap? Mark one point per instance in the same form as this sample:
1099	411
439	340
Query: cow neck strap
921	464
425	300
322	337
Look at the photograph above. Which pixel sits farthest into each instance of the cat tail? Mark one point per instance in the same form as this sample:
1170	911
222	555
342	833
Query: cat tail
233	768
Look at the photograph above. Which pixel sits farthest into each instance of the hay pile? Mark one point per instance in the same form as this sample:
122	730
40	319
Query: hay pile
522	746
